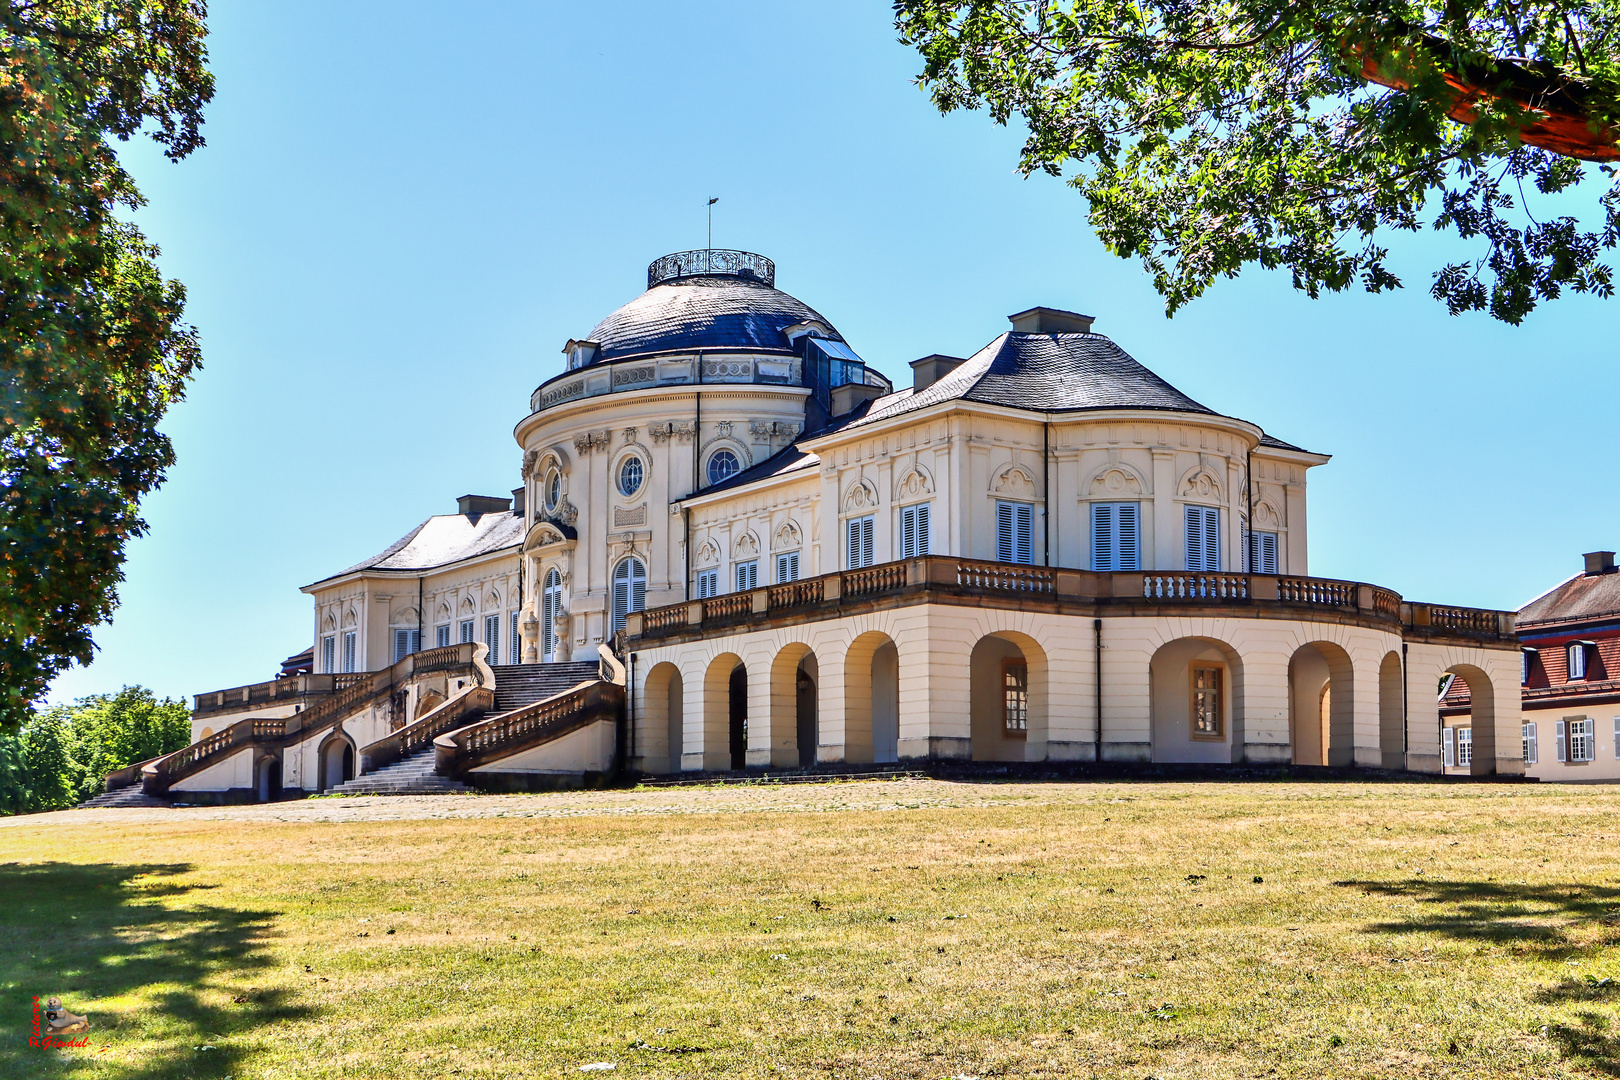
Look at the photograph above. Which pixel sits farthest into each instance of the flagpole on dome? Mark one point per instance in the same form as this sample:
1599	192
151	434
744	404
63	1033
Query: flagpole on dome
708	253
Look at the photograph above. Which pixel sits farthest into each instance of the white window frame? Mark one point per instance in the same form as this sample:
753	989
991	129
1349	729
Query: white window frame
914	538
624	467
1116	536
351	651
787	567
858	552
406	642
629	590
1582	735
746	575
441	635
1465	747
1531	752
1261	553
708	584
1015	532
550	610
1576	658
708	468
328	654
516	646
1203	533
492	637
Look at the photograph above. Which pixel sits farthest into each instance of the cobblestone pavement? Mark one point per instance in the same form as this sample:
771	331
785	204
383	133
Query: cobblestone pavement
866	795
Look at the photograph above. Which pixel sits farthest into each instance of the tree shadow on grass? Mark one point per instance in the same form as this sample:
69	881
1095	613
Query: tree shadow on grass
95	932
1494	911
1592	1043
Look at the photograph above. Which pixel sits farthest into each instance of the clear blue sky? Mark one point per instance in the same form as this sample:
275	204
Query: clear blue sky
405	209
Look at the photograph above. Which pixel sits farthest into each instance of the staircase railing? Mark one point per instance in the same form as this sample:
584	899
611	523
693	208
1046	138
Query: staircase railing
160	773
467	706
500	737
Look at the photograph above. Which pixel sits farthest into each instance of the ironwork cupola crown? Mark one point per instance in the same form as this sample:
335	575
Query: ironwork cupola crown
712	262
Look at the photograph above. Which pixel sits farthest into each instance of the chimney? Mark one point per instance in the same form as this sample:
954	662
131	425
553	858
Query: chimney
851	396
1599	562
1047	320
930	369
518	501
476	506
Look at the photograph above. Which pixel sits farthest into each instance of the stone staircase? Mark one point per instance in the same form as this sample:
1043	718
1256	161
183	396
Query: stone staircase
517	685
412	776
120	799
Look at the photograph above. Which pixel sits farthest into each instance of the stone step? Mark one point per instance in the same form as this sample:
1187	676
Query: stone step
412	776
121	798
517	685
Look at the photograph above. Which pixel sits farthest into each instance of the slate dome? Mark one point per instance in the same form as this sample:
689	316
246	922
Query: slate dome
706	299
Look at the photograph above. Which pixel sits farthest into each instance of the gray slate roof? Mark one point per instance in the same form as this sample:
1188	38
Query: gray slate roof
1049	373
442	540
1581	598
703	313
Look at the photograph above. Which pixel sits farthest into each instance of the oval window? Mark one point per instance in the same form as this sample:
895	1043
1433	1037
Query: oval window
722	465
553	489
630	476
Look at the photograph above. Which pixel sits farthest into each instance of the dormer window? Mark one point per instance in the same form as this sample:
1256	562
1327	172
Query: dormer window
579	353
1578	659
1527	662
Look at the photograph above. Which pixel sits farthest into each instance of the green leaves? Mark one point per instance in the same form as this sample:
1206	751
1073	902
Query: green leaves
1210	135
92	347
62	754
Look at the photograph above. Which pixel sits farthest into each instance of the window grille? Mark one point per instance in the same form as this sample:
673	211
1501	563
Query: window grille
1015	696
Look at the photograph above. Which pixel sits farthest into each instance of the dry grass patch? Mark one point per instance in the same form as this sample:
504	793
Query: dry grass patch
915	929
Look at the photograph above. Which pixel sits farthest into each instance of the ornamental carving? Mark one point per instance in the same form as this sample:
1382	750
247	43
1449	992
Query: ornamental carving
586	441
915	483
860	496
350	619
772	430
627	516
1013	480
529	460
1201	484
492	599
634	376
1265	514
330	623
746	546
787	536
708	554
723	429
567	512
728	369
1115	483
629	435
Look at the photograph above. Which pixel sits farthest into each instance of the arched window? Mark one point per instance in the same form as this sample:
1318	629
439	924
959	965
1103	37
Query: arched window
553	493
629	590
630	474
722	464
550	605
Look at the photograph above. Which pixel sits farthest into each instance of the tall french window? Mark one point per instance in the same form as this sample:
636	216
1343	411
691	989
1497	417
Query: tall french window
441	635
629	590
1203	538
708	584
405	643
748	575
1116	536
858	542
550	608
349	653
1262	553
913	530
328	654
1015	532
787	567
492	637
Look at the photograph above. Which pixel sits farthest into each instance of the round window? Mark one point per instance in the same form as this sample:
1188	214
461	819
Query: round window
630	476
553	489
723	464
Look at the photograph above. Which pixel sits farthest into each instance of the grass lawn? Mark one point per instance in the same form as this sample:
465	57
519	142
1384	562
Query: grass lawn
902	929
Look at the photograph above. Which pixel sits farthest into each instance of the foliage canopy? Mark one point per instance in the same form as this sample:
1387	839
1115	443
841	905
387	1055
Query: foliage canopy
62	755
92	347
1211	134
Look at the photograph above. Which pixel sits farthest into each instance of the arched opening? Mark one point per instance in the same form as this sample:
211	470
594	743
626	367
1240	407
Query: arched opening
662	702
1007	696
269	778
1321	705
794	732
737	716
1479	721
1195	687
872	699
550	602
629	590
336	762
1391	712
725	713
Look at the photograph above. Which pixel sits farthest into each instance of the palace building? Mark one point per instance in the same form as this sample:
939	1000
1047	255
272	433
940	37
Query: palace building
738	546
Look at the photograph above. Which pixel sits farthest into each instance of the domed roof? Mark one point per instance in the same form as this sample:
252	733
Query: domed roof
705	300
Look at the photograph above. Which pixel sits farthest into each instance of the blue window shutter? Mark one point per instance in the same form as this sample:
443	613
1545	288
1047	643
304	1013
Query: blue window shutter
1104	551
